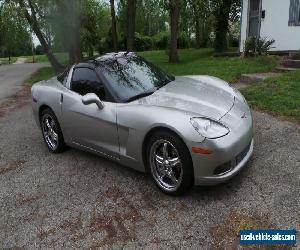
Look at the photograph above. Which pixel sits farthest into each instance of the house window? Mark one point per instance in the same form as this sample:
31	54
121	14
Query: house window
294	19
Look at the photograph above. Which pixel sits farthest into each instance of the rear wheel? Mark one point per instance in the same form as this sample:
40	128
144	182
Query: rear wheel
52	133
170	163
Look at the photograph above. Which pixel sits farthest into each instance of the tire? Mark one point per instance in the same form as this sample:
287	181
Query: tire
170	163
51	132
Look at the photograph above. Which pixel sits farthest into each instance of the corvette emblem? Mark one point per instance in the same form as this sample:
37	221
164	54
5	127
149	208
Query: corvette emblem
244	116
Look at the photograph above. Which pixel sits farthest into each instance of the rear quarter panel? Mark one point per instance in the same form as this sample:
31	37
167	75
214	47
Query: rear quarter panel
47	93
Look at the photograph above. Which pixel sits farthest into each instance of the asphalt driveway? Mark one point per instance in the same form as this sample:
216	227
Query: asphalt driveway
13	76
76	199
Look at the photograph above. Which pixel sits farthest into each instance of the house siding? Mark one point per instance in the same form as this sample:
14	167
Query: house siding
274	26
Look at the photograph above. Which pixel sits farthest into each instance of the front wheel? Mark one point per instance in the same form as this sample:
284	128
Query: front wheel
170	163
52	133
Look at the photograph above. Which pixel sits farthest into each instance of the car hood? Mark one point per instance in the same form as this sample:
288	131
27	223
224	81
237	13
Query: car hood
202	95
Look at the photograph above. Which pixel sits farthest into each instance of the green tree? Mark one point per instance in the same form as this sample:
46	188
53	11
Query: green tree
200	14
223	11
15	37
94	25
33	13
151	17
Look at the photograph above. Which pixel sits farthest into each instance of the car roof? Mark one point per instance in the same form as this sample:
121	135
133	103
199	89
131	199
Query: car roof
103	59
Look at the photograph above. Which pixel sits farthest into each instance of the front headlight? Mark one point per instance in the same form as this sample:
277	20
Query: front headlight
209	128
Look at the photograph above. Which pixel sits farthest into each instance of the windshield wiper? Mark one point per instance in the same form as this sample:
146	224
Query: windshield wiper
144	94
171	77
166	81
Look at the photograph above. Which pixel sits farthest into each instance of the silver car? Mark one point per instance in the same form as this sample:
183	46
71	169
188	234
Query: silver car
191	130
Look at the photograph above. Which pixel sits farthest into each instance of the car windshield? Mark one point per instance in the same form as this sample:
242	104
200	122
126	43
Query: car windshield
132	77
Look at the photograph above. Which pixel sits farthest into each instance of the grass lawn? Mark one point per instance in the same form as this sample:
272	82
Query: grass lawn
201	62
6	60
192	62
61	57
46	72
277	95
41	74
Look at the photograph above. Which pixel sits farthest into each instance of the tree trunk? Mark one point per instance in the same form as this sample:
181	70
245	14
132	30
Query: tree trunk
198	33
222	25
197	20
114	25
174	16
75	53
36	29
131	12
91	51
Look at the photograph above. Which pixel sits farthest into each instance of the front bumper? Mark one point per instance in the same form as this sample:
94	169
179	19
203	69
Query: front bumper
230	153
217	179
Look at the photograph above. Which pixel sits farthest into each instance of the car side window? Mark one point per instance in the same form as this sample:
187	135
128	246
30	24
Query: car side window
86	81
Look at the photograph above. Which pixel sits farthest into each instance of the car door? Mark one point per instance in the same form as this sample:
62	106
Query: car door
88	125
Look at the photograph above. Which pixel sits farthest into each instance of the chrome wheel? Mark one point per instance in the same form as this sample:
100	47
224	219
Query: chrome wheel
166	166
50	131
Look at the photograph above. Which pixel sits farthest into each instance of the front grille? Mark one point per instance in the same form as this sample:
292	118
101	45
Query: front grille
222	169
242	155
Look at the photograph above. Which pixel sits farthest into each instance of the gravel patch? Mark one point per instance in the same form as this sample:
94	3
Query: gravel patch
77	199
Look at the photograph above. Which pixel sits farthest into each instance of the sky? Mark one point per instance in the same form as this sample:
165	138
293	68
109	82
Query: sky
35	40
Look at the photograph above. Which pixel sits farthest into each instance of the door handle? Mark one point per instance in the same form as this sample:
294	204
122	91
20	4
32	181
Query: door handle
61	98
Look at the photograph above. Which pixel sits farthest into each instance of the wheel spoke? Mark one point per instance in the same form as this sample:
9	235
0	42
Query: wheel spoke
49	141
54	136
172	177
48	124
162	175
174	162
165	151
159	160
52	124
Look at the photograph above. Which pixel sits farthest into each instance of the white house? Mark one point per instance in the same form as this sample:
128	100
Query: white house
273	19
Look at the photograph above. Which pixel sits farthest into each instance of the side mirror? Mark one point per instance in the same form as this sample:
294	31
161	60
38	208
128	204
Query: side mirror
92	98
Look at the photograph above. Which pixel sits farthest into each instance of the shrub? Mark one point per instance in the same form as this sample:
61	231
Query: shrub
258	46
142	42
104	45
234	42
183	41
39	50
161	40
122	42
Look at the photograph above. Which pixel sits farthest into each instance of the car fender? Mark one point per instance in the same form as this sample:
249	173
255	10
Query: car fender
135	121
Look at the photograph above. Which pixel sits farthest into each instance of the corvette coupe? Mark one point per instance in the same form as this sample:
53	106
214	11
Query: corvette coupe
184	131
